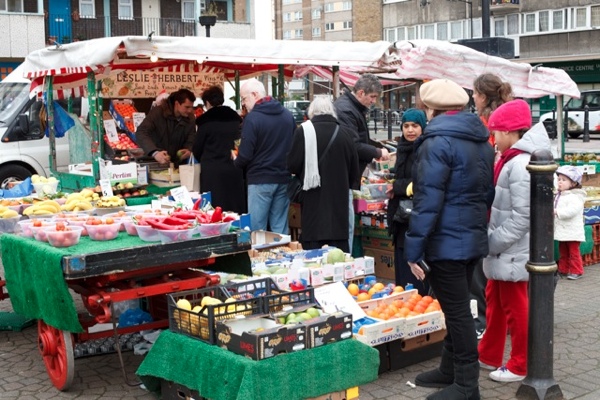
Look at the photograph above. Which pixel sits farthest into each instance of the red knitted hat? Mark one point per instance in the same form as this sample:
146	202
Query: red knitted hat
511	116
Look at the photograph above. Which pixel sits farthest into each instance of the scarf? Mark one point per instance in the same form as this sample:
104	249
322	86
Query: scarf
312	179
504	158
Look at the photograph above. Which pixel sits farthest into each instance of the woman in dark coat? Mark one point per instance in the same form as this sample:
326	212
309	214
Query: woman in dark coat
325	207
413	125
218	129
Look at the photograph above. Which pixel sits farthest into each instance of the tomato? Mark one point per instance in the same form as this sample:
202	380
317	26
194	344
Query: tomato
60	226
37	223
109	221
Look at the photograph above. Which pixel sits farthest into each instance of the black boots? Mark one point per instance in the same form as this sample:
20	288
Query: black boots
465	386
439	377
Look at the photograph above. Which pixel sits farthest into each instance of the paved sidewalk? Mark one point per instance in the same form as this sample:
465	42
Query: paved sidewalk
576	360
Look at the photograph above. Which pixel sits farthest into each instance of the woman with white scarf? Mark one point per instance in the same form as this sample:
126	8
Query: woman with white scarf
327	164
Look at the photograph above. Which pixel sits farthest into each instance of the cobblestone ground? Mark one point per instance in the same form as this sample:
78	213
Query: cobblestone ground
576	360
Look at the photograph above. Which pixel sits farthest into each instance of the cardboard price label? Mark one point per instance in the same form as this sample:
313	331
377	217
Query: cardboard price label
335	297
138	117
111	130
182	196
106	187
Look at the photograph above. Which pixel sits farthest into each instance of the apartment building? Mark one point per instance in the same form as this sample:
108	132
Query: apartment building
29	25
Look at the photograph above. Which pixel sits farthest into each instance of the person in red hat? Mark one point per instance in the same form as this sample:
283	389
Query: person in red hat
508	240
568	221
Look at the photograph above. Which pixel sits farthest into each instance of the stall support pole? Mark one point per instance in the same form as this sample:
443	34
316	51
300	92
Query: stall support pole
95	113
336	82
539	382
586	124
281	82
50	116
237	90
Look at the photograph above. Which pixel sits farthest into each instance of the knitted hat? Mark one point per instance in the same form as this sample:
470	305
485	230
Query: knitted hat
511	116
414	115
571	172
443	94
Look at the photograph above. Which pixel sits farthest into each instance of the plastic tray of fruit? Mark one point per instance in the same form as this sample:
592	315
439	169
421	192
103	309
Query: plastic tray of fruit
102	229
194	312
63	236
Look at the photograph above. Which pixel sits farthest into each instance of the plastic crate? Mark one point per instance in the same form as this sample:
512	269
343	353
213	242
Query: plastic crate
276	302
201	324
252	288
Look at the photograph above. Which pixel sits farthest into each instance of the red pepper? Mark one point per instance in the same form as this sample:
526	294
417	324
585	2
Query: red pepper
172	220
185	214
217	215
197	204
203	218
229	218
159	225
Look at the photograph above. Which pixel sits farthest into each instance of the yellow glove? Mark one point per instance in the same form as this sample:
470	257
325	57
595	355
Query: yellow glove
409	190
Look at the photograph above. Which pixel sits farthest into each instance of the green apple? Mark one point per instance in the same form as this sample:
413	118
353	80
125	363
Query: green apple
313	312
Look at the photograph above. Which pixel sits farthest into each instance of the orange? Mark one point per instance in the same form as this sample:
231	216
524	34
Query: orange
353	289
419	308
428	299
372	291
378	286
363	296
398	289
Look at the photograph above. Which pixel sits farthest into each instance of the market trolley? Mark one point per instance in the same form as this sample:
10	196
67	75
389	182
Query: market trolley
120	270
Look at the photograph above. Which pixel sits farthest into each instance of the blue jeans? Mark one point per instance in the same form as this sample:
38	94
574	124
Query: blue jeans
268	205
350	221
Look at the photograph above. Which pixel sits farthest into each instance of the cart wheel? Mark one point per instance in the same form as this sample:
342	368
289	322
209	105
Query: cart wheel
56	347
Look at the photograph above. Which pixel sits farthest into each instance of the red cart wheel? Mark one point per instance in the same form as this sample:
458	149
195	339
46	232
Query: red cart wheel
56	347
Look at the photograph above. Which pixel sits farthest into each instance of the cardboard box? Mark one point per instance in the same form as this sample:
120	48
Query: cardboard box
124	122
381	331
377	243
118	173
295	216
368	205
384	262
259	338
328	328
405	352
165	178
266	239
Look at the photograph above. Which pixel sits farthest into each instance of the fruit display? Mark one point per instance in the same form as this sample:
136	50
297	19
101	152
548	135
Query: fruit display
44	207
110	202
297	317
6	212
44	186
124	142
102	229
413	306
62	235
80	201
368	290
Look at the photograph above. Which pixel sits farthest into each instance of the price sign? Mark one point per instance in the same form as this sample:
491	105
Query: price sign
106	187
111	130
182	196
138	117
335	297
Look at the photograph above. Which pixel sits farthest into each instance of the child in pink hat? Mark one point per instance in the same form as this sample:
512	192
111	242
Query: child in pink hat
508	237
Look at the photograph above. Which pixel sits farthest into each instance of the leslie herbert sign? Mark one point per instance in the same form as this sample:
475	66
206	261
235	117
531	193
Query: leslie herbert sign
149	83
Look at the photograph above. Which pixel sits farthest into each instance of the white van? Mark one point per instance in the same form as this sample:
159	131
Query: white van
24	149
576	114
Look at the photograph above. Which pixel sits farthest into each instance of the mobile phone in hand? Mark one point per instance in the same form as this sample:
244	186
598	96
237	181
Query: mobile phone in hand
425	267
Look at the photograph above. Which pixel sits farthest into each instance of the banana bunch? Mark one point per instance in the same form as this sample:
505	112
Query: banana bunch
46	207
6	212
110	202
81	201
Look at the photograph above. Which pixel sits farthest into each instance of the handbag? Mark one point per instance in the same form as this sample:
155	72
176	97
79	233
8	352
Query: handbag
294	189
403	212
189	175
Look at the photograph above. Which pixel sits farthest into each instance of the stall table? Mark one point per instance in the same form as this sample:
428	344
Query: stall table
217	373
39	276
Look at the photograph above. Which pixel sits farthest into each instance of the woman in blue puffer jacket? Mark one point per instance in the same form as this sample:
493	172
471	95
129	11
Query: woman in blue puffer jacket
453	187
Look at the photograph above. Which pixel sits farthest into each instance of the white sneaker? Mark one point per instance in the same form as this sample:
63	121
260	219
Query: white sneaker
502	374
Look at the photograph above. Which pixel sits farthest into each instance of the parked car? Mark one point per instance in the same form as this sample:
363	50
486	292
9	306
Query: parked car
576	108
299	115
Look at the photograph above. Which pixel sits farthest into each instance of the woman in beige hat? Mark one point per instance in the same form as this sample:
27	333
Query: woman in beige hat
453	188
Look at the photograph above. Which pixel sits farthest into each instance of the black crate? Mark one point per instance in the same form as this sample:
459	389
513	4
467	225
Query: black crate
252	288
201	324
276	302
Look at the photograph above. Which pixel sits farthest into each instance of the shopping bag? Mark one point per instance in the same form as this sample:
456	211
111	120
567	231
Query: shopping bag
189	175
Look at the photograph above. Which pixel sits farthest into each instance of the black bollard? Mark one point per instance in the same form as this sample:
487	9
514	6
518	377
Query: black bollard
375	118
586	123
566	125
539	383
389	124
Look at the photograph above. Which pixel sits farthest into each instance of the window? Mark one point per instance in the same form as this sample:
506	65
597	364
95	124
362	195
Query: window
87	9
347	24
401	32
347	5
595	10
557	20
298	33
499	27
126	9
329	7
477	28
390	35
188	10
287	17
287	34
456	30
529	23
11	5
544	21
298	16
411	33
429	31
316	13
579	18
329	26
442	31
316	32
512	22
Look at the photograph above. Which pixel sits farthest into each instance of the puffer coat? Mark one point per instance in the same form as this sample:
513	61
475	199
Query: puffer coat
508	230
568	221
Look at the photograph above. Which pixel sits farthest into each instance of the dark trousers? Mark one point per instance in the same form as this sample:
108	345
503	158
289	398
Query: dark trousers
404	274
450	281
478	285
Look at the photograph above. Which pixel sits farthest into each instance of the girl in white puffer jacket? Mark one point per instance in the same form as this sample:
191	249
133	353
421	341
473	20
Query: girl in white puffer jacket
568	221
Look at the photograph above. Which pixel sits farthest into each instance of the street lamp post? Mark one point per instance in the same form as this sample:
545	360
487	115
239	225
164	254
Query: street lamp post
470	3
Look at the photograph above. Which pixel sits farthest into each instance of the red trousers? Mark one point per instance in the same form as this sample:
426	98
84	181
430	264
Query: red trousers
569	261
507	310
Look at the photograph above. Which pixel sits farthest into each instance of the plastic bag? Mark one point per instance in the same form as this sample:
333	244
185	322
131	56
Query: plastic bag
62	121
21	190
133	317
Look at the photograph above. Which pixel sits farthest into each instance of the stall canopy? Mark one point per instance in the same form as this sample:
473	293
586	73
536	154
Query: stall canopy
393	62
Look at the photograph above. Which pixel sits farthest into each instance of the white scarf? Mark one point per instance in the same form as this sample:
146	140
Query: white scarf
312	179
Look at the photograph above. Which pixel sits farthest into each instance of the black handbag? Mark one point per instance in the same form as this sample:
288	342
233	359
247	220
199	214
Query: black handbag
403	212
294	189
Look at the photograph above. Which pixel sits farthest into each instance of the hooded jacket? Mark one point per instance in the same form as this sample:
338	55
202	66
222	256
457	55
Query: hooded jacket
508	231
452	181
266	139
568	221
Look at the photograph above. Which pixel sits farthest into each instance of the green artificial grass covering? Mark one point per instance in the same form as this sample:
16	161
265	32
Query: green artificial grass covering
217	373
35	282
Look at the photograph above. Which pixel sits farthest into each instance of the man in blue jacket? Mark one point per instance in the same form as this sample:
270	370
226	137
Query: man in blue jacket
266	139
